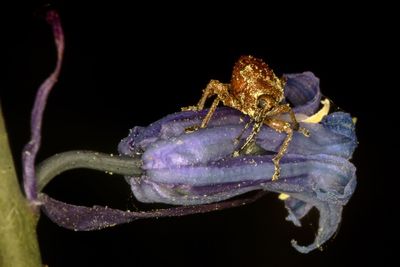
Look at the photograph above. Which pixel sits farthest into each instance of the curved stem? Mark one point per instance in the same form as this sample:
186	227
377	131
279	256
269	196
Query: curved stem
75	159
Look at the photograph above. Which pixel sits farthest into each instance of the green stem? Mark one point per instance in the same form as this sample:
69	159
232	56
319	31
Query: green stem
18	240
62	162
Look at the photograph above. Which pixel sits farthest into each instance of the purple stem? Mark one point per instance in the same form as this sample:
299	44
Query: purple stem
31	149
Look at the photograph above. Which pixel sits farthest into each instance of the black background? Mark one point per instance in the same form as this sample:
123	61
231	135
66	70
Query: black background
128	65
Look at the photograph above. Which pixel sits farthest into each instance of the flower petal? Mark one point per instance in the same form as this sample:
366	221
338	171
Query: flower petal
81	218
302	90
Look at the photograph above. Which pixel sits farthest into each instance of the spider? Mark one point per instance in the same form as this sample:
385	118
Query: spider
257	92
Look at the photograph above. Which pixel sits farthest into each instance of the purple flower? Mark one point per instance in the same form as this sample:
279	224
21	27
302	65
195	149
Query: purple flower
197	168
197	172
